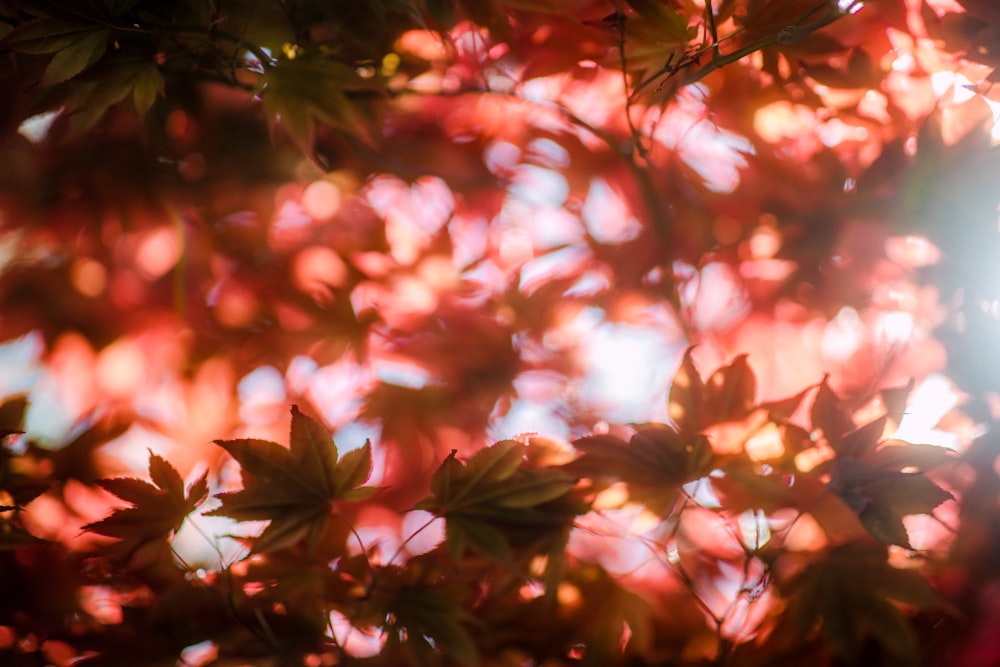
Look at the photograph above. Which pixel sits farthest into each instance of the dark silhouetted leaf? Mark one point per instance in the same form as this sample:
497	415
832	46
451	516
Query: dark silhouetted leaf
827	415
861	442
686	396
654	464
730	392
881	498
895	400
903	455
157	510
847	594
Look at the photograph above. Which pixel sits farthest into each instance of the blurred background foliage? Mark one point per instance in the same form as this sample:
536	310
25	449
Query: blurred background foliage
435	224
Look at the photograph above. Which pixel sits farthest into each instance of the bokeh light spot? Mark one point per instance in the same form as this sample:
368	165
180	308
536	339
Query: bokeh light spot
321	200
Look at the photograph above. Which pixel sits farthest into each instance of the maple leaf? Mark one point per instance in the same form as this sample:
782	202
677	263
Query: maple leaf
728	395
428	613
848	594
881	498
868	473
492	500
654	463
295	487
157	510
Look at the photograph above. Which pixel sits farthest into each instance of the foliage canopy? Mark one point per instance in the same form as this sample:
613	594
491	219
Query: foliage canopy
424	226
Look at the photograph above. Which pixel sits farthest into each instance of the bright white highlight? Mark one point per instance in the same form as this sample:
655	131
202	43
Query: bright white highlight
36	128
930	401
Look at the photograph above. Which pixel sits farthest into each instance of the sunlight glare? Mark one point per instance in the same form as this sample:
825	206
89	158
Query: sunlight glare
628	371
931	400
607	216
36	128
539	185
262	395
850	6
842	336
912	251
895	327
356	642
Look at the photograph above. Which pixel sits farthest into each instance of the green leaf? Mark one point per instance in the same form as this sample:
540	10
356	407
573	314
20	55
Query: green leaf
12	412
496	463
268	462
465	533
148	84
781	411
118	7
295	488
885	525
314	452
450	471
495	498
44	35
907	493
78	56
424	605
14	537
88	101
165	476
309	89
354	469
895	398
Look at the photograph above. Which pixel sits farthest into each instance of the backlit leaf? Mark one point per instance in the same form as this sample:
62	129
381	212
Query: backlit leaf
686	395
306	90
902	455
827	414
881	498
78	56
730	392
157	509
45	35
654	464
895	400
847	594
313	451
148	85
496	498
295	488
862	441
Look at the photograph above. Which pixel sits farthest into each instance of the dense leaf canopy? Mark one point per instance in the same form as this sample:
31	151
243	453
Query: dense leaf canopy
612	332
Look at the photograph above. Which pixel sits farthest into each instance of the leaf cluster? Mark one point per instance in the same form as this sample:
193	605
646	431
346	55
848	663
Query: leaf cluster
507	580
